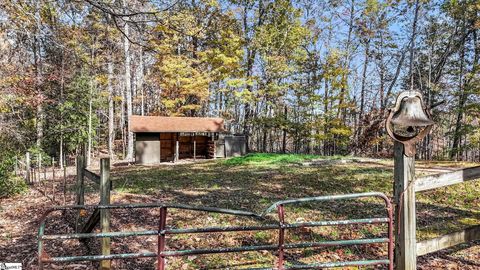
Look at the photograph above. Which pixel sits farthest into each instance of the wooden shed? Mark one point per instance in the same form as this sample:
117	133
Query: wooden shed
159	139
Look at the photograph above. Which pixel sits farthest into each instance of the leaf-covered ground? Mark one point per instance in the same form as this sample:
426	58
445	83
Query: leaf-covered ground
250	183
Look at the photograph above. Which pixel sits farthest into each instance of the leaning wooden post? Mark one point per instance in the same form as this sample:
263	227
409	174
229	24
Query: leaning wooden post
27	167
405	225
80	188
105	213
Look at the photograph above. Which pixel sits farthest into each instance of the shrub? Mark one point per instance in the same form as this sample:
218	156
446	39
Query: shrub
11	185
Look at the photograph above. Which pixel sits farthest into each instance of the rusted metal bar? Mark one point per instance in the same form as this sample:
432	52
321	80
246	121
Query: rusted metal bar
158	205
390	232
328	265
41	248
187	252
161	239
214	229
99	257
337	243
98	235
327	198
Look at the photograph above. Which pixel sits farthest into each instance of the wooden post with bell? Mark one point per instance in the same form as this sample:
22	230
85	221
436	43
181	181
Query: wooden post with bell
405	223
407	123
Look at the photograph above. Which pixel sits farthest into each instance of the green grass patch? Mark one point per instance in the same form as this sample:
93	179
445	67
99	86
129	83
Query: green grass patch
272	159
255	181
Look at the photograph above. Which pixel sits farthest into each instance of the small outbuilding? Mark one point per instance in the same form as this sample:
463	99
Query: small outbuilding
159	139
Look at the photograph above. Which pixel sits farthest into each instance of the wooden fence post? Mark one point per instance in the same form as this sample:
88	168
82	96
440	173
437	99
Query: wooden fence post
80	188
105	213
194	148
405	223
177	150
16	166
53	178
39	165
64	183
27	167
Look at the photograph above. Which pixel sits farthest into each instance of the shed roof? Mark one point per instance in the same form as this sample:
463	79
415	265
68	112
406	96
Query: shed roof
175	124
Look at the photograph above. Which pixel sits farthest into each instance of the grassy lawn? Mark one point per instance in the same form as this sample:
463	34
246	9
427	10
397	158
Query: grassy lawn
256	181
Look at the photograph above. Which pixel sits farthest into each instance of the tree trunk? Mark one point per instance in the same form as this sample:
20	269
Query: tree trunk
140	77
111	116
37	54
342	110
128	89
412	42
463	95
364	80
90	100
62	87
284	130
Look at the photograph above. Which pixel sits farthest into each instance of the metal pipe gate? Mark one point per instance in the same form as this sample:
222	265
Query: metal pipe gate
281	226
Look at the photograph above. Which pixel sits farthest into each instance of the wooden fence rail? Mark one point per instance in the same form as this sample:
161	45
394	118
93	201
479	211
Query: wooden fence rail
447	179
406	185
456	238
448	240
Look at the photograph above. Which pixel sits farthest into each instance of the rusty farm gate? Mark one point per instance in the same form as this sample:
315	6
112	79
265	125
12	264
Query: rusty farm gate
281	226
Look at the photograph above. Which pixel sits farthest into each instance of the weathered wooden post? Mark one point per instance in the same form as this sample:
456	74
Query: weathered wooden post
404	196
53	178
194	147
64	182
177	150
27	167
39	165
214	146
80	188
16	166
105	213
408	123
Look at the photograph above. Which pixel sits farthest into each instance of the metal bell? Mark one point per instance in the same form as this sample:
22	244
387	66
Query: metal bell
408	122
411	113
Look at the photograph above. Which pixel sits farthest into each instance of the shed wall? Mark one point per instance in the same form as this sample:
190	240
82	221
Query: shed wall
147	148
235	146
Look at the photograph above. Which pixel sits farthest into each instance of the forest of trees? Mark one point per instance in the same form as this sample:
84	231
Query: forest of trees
297	76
